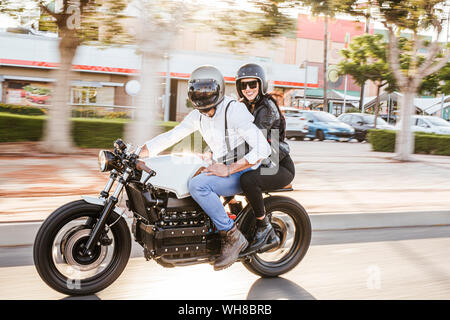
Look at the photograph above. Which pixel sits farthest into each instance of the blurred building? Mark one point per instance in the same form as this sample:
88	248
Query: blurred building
27	61
100	75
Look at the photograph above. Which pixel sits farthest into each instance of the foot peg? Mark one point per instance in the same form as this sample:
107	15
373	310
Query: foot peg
273	243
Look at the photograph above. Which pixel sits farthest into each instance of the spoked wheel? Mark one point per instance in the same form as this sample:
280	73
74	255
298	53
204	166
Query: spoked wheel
292	225
59	254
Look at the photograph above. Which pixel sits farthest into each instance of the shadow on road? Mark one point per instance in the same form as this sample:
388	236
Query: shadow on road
89	297
277	289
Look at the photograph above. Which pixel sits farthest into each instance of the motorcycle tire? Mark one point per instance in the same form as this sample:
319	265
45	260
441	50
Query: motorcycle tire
301	238
44	248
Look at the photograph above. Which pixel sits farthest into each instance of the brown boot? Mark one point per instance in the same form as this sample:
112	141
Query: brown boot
233	242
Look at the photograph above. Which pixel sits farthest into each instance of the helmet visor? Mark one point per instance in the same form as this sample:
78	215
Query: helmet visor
204	93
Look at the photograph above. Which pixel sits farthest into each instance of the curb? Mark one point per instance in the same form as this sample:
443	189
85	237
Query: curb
23	234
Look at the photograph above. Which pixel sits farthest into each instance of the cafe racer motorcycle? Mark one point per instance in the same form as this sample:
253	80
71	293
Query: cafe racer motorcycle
84	246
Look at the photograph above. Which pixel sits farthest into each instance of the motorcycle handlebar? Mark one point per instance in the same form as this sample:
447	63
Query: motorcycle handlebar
138	151
140	165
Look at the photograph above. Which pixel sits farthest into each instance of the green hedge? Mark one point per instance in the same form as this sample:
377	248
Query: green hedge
382	140
438	144
25	110
14	127
87	133
96	133
424	143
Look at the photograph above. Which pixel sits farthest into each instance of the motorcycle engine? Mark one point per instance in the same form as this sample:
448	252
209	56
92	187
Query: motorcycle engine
182	234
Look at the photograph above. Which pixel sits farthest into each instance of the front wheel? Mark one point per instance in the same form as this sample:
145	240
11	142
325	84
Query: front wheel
292	225
59	256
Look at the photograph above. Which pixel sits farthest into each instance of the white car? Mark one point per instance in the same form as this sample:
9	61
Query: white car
296	124
428	124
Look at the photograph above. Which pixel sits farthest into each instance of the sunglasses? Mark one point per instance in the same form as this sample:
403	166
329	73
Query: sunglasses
252	84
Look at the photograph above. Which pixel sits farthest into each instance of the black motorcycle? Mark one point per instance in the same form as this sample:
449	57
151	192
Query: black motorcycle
84	246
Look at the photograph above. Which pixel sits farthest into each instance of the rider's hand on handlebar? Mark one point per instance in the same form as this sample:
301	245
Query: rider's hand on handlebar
140	165
144	152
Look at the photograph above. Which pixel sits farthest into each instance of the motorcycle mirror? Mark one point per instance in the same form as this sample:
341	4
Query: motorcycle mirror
119	144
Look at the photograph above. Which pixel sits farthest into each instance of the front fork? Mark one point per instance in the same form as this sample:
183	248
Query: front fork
107	209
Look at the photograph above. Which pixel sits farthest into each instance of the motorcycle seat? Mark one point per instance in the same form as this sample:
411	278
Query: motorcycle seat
284	189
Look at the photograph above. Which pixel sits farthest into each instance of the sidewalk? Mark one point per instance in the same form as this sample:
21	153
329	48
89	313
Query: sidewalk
332	179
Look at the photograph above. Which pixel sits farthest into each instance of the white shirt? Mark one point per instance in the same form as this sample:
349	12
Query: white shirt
240	128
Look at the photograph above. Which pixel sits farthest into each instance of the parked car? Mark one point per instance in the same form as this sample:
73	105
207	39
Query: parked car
325	126
362	122
296	126
428	124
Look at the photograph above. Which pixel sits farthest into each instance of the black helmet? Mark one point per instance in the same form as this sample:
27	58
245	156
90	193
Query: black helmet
206	87
251	70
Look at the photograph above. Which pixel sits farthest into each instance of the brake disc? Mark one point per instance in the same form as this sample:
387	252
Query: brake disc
73	248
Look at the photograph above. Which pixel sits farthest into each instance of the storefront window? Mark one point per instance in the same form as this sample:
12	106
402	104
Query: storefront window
28	93
83	95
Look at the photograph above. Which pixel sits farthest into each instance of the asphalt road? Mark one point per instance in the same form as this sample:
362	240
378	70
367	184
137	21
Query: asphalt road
388	263
334	180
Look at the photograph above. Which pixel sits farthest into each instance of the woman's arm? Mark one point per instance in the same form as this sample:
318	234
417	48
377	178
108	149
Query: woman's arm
242	121
266	115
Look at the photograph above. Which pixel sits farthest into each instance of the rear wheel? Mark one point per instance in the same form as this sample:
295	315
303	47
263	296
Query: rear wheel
320	135
361	138
292	225
59	256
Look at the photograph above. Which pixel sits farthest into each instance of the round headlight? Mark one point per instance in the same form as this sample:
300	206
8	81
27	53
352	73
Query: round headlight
105	160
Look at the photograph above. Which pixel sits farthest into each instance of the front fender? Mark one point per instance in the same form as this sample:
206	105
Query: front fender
101	202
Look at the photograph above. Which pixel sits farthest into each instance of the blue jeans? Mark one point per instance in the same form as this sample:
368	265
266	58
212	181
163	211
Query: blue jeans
206	191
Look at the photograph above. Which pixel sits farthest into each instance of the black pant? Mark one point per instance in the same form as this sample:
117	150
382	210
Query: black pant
253	183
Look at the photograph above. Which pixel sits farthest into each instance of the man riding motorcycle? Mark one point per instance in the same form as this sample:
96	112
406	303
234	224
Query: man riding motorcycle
227	127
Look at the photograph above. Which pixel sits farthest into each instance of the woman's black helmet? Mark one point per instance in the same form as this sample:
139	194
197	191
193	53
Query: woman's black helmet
251	70
206	87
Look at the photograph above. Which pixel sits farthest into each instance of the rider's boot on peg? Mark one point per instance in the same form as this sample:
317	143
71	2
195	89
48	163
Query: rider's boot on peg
265	234
233	242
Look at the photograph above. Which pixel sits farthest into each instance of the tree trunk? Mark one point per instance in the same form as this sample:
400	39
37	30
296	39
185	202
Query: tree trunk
154	37
325	64
404	145
57	136
377	107
361	93
142	128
